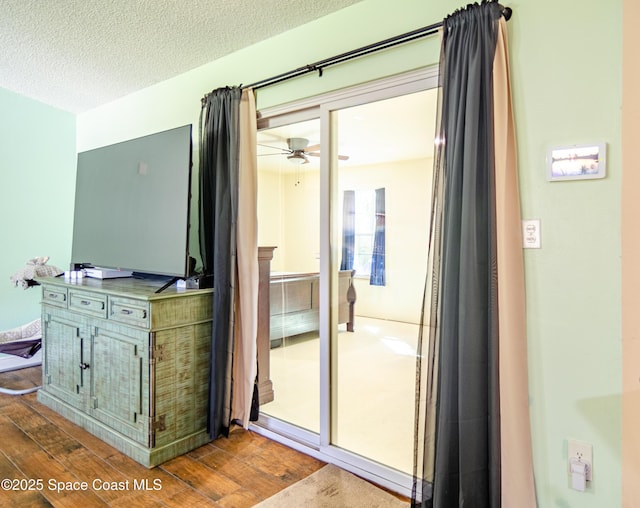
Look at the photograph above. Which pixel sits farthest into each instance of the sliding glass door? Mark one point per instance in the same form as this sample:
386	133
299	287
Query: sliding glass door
344	196
382	175
289	220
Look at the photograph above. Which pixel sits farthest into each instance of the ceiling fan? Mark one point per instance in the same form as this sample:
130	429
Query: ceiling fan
298	150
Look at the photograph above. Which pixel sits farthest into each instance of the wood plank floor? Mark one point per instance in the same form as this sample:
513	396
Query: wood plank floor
46	458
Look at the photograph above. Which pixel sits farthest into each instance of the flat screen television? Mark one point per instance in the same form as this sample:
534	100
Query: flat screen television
132	205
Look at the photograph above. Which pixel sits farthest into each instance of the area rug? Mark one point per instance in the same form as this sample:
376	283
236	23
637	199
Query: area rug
332	487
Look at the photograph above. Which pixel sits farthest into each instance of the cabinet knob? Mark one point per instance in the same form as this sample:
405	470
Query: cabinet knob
84	366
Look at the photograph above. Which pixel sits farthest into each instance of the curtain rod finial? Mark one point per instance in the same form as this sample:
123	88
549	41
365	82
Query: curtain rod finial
507	12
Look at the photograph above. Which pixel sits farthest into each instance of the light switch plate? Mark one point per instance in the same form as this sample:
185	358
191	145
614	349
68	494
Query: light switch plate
531	234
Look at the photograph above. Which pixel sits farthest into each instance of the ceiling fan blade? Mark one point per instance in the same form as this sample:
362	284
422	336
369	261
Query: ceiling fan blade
317	154
314	151
282	150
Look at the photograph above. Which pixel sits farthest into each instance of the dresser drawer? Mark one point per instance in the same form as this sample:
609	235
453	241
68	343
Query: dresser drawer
87	302
129	311
55	296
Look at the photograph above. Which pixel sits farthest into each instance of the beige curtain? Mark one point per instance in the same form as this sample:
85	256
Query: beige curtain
515	433
246	295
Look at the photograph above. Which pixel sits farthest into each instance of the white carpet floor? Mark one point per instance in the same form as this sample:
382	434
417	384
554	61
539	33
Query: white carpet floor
375	391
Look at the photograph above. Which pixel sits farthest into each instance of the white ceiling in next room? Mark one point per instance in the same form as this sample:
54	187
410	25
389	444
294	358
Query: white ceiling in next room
396	129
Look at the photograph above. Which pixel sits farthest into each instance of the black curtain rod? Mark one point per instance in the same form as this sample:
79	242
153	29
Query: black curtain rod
355	53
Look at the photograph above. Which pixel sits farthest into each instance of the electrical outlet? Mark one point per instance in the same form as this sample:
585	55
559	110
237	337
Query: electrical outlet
583	452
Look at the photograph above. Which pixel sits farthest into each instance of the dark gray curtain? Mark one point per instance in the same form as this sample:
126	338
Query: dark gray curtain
460	464
348	229
377	277
219	119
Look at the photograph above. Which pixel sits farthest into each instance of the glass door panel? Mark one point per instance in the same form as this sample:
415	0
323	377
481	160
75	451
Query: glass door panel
382	169
288	219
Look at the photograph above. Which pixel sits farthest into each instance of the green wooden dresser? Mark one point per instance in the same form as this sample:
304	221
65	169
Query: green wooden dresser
129	365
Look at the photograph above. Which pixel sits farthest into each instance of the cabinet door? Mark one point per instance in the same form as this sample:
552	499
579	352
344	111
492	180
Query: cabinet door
120	381
66	348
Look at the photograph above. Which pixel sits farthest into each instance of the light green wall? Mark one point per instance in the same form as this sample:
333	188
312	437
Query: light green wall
566	69
566	75
37	171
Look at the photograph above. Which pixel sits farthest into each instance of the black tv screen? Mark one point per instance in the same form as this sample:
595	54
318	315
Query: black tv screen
132	204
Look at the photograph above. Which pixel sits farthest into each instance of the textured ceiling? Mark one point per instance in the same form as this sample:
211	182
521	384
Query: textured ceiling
79	54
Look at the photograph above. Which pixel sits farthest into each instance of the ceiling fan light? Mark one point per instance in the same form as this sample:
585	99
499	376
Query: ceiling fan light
297	158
